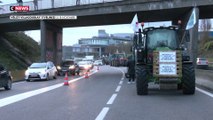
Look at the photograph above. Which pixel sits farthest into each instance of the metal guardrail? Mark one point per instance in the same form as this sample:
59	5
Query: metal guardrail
48	4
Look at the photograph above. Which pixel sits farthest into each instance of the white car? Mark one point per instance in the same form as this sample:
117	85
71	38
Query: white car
202	63
40	71
85	65
98	62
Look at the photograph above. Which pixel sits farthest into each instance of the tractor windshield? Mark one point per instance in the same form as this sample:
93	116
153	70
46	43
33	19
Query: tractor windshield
162	38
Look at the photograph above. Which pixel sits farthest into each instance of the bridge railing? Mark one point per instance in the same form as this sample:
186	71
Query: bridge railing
48	4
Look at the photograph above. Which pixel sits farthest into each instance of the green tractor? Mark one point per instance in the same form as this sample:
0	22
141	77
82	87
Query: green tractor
160	57
118	59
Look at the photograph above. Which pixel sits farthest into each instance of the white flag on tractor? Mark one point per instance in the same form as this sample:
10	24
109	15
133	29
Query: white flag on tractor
192	20
135	24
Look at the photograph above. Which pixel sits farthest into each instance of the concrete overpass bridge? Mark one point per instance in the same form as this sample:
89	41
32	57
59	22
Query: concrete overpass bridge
117	12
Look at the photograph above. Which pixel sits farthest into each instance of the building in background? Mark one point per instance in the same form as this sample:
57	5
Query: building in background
96	45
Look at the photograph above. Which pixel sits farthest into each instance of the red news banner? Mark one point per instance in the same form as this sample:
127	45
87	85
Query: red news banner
20	8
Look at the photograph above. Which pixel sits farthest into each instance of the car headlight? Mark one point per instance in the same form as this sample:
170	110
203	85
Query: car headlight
86	67
58	67
72	67
43	72
26	72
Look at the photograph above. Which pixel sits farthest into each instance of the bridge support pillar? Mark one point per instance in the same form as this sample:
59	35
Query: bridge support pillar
100	52
193	44
51	42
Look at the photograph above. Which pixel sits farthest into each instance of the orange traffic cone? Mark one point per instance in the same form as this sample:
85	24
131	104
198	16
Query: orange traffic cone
86	75
66	82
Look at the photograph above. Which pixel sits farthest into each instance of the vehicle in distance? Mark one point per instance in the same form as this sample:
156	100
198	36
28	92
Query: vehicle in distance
90	62
85	65
41	71
5	78
202	63
68	66
118	59
98	62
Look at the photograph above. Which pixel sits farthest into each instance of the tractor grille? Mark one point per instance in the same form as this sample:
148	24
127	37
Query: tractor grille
167	64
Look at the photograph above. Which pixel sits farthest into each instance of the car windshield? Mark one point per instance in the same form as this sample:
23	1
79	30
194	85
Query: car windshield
38	65
97	61
67	63
204	59
162	38
83	63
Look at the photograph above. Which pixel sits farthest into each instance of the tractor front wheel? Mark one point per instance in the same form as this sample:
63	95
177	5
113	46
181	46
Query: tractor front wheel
141	80
188	79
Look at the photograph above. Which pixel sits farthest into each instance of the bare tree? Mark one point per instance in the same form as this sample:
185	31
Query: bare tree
20	2
120	48
52	3
78	2
126	47
35	4
111	49
204	35
1	7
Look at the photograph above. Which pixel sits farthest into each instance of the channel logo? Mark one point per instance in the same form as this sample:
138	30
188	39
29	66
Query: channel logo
20	8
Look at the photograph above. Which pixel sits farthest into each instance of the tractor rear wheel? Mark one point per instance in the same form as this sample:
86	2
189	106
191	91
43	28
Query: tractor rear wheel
188	79
141	80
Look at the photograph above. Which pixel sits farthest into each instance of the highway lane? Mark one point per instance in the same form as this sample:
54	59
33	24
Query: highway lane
105	95
82	99
160	105
23	86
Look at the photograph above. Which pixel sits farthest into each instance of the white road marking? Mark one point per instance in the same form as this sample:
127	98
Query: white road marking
102	114
82	77
121	82
22	96
111	100
118	88
104	111
205	92
16	83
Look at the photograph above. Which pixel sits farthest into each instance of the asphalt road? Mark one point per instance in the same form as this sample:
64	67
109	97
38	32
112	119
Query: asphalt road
104	95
